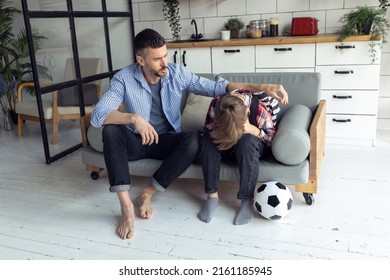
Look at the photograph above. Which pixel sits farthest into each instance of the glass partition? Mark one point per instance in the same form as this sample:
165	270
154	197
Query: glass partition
85	46
122	48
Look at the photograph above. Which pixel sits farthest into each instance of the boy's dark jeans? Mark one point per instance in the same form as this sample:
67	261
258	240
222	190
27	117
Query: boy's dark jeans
246	152
120	145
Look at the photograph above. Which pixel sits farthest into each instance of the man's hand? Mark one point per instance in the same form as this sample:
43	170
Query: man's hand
276	91
146	130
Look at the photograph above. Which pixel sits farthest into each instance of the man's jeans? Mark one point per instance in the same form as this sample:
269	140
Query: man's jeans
120	145
247	153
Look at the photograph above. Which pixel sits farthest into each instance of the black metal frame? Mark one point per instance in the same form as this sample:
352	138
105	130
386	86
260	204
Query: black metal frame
71	15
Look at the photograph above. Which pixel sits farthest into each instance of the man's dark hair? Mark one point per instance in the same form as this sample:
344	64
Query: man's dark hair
147	38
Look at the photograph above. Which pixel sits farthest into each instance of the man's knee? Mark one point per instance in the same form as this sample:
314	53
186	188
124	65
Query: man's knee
111	131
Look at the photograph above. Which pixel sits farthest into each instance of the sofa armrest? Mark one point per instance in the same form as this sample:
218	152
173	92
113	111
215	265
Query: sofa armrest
317	141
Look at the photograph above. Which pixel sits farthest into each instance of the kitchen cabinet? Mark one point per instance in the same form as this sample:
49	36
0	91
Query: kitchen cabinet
233	59
350	84
350	81
198	60
282	58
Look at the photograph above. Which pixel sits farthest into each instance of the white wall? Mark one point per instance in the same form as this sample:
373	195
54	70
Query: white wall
211	14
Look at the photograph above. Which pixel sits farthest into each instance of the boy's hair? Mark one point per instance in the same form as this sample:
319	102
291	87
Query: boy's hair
147	38
230	117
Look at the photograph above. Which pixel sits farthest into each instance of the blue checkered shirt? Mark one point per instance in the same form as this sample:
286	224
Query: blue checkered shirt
129	87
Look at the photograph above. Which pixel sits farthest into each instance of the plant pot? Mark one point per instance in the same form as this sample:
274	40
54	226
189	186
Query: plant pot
14	116
367	28
234	33
7	121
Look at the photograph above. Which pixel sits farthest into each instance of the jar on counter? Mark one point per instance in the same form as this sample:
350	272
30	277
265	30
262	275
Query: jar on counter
264	26
274	27
255	30
248	31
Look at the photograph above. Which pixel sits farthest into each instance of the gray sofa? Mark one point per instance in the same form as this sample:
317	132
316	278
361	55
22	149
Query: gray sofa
297	149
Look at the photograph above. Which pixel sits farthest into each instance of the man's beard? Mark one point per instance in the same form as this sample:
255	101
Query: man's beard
160	72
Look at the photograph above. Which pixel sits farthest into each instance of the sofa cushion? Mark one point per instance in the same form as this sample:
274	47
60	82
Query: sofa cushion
291	144
94	136
194	113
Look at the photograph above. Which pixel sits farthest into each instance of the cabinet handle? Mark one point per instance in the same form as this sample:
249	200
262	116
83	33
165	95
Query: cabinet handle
344	72
184	59
282	49
342	96
345	47
342	121
232	51
174	57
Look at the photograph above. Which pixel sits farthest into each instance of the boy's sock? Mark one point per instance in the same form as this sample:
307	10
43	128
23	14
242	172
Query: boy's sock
208	209
245	213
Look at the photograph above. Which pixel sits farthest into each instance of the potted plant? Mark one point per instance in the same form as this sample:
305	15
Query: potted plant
366	21
234	25
171	10
15	65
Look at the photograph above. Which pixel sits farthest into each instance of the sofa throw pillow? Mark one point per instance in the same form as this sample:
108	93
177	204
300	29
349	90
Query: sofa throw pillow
291	144
194	113
69	96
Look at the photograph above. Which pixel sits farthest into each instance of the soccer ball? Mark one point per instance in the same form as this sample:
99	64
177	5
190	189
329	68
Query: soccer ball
273	200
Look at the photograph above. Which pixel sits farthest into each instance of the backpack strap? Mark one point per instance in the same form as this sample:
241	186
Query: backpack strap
254	108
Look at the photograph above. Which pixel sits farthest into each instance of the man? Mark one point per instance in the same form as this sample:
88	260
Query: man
149	127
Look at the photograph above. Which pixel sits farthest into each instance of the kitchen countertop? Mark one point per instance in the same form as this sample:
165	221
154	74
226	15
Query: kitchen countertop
322	38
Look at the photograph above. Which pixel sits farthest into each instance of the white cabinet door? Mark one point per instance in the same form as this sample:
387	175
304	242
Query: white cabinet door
233	59
352	127
285	56
351	101
197	60
350	76
346	53
174	56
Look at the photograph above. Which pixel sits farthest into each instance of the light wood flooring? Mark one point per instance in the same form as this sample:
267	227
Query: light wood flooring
57	212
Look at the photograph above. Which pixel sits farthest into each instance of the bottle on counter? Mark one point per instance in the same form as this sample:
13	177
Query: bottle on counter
274	27
248	31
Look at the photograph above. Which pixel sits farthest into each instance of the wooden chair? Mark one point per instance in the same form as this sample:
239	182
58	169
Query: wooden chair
27	110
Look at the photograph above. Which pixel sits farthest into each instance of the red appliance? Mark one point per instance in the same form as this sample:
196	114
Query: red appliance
301	26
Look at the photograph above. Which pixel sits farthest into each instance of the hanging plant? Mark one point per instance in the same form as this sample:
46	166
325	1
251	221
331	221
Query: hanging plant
171	13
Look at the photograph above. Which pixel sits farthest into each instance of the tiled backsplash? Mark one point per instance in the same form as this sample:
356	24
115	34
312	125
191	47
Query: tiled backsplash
210	15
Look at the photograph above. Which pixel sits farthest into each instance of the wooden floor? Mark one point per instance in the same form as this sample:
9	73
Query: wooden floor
57	212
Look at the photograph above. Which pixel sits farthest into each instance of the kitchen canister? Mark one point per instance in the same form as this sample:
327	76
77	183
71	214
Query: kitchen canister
274	27
255	30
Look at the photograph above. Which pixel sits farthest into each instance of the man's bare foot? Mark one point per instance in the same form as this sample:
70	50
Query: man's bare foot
144	202
126	229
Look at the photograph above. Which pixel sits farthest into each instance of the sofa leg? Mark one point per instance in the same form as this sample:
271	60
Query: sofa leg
95	171
308	190
309	187
93	168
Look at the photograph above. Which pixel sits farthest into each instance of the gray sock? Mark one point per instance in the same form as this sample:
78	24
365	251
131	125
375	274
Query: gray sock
245	213
208	209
